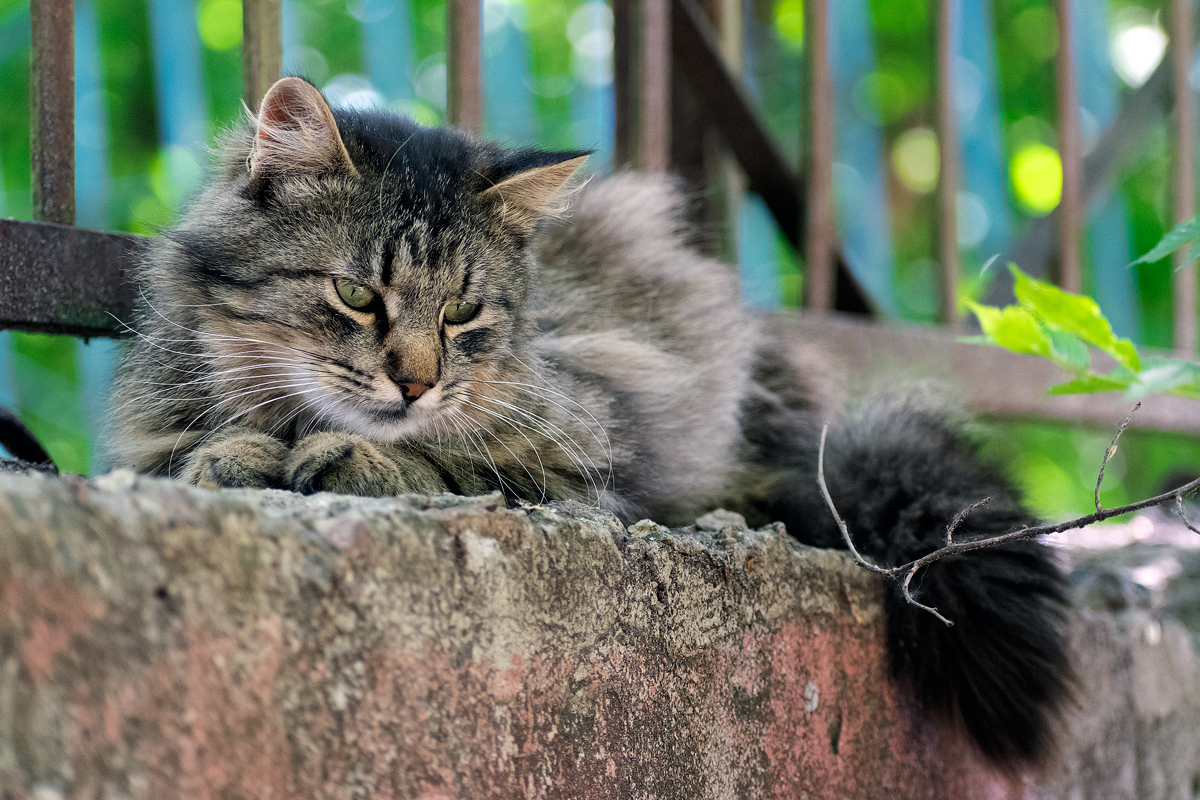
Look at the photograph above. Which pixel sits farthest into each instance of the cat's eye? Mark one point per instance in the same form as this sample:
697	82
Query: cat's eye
458	313
353	294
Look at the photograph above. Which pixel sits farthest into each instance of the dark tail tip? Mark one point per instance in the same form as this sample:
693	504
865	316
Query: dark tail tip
898	474
1003	671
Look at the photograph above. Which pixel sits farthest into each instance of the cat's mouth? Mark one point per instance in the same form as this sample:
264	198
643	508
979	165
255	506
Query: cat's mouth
382	421
386	412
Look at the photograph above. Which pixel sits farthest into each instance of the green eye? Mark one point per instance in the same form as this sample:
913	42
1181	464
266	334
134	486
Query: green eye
458	313
354	294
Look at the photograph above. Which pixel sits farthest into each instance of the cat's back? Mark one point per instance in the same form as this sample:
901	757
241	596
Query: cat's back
624	259
641	319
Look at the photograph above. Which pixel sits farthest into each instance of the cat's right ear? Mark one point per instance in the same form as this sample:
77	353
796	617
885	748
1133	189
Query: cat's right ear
296	135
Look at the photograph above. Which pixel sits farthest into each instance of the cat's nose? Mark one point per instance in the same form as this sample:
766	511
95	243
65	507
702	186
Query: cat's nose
412	391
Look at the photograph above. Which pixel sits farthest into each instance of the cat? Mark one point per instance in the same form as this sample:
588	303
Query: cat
358	304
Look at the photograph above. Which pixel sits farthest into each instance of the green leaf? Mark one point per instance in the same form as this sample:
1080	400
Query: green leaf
1186	388
1181	234
1090	384
1013	328
1161	378
1122	374
1068	350
1125	354
1073	313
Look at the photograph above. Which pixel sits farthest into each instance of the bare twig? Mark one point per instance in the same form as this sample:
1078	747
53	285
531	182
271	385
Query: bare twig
1020	534
1112	450
1183	514
960	516
838	517
909	597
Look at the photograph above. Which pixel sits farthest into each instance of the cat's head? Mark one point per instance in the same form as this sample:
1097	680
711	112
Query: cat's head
359	268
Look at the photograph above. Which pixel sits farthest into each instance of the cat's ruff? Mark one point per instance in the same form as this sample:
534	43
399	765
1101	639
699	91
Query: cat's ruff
359	304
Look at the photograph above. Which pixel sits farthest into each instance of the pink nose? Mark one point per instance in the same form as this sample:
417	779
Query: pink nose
412	391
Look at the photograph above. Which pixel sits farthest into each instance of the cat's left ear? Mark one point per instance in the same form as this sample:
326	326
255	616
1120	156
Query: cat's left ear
537	191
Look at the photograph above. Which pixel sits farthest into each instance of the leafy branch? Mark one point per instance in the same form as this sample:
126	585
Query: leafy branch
1182	235
1059	325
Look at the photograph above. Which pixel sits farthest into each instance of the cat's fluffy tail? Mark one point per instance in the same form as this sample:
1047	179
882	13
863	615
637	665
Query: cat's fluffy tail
898	474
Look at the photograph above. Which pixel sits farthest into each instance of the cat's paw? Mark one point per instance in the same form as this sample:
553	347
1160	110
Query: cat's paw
246	459
348	464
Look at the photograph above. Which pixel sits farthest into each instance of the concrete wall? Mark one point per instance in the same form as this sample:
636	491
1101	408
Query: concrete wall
158	641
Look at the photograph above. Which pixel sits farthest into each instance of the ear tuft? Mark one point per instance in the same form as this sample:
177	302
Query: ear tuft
540	192
296	133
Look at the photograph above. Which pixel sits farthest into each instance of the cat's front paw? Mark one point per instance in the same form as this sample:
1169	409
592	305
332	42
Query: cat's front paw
348	464
243	459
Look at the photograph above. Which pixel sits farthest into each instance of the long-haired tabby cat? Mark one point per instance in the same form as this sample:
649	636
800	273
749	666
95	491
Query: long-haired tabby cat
359	304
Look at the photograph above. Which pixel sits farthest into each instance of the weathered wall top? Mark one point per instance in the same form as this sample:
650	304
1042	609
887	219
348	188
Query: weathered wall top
159	641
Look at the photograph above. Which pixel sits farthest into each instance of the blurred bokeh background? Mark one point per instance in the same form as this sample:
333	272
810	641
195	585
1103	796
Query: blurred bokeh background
156	80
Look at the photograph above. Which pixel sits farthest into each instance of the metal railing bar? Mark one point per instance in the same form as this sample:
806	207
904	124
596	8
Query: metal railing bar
730	202
992	381
38	294
52	110
947	136
62	279
624	91
655	95
697	52
464	97
821	229
1184	280
262	48
1069	147
1142	109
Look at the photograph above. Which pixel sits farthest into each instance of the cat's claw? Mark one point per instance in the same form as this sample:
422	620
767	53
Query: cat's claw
348	464
243	460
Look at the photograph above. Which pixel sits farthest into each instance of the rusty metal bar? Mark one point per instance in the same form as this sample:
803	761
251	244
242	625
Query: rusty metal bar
1070	218
52	110
655	107
696	48
697	52
262	48
624	91
464	98
992	381
727	174
731	31
1185	171
947	134
62	279
821	228
1143	109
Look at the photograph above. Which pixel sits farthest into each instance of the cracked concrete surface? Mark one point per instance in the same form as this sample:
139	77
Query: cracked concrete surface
160	641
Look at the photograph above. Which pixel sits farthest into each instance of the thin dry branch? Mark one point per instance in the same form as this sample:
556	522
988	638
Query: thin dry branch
838	517
1112	450
1183	515
953	548
960	516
